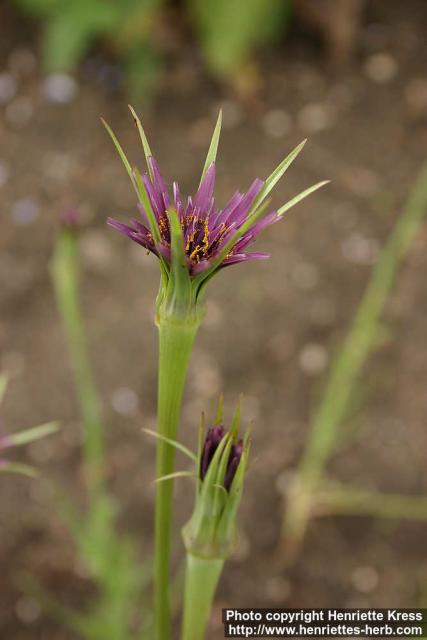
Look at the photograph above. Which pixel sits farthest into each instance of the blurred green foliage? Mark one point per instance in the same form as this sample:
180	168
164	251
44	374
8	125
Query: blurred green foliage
228	31
71	28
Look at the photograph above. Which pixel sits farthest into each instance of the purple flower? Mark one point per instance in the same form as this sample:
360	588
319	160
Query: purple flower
205	228
213	439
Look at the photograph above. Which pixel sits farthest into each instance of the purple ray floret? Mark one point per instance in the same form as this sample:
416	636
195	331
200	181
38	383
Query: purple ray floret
205	229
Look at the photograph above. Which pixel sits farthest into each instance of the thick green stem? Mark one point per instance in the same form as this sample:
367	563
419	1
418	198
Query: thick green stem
64	270
201	580
175	343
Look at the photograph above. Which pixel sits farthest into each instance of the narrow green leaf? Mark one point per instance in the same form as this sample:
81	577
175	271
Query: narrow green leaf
145	201
121	153
177	474
173	443
3	385
16	467
301	196
144	141
213	147
29	435
274	178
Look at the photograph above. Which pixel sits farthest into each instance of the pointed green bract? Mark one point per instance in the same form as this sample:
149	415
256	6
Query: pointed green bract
213	147
145	201
17	467
220	410
29	435
274	178
121	153
144	141
235	423
177	474
174	443
301	196
180	282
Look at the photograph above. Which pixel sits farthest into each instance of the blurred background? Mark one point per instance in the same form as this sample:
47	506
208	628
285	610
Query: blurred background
350	76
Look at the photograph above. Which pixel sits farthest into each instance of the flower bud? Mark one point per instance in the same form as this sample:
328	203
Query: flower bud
221	465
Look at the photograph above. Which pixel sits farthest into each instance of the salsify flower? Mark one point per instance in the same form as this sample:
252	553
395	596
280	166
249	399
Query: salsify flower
221	466
205	228
193	237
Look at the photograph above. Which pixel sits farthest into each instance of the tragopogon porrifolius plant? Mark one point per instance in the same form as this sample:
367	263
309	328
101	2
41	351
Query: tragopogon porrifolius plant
193	240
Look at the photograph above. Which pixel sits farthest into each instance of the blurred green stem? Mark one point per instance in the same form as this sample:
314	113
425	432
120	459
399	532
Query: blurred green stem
175	344
356	501
201	580
352	357
65	274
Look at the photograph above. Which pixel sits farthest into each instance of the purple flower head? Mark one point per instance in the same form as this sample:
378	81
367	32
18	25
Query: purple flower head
205	228
195	232
213	439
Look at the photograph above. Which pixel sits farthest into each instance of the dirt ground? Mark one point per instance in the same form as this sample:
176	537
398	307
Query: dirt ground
271	327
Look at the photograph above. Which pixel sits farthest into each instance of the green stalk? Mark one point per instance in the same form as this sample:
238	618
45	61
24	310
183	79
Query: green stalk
64	270
201	580
176	339
351	358
345	499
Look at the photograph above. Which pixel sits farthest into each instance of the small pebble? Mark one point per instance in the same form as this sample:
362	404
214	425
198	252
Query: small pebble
7	88
313	359
125	401
381	68
19	112
365	579
60	88
27	609
359	249
315	117
277	123
4	172
25	211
